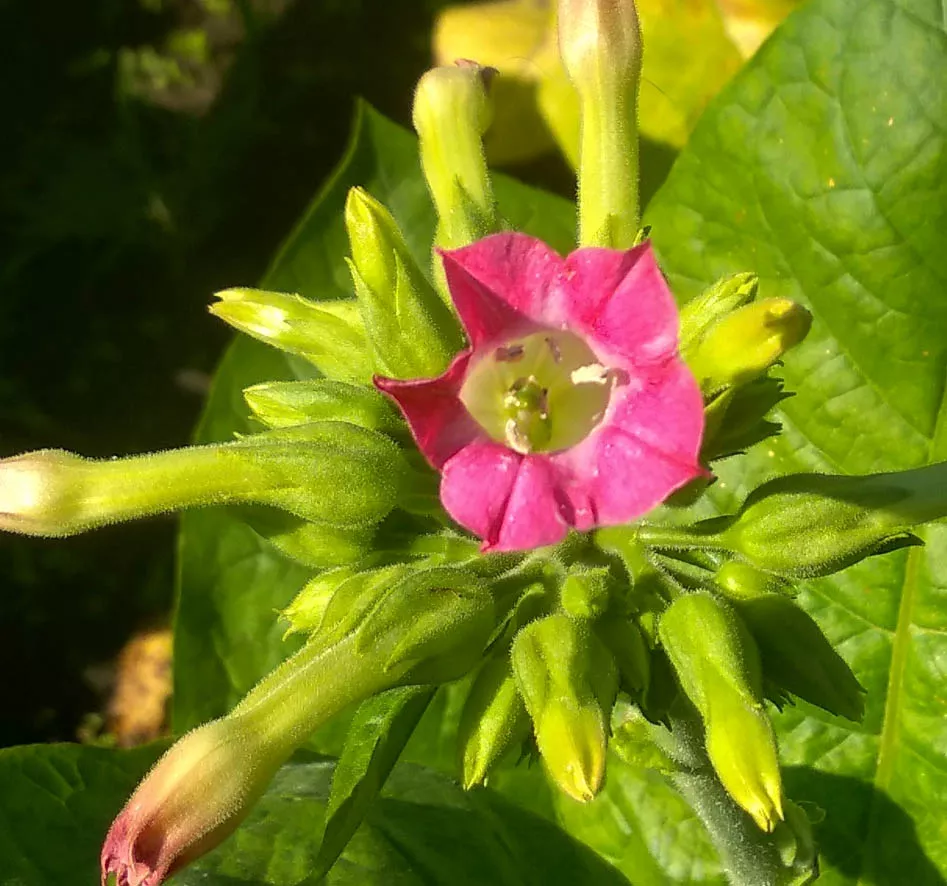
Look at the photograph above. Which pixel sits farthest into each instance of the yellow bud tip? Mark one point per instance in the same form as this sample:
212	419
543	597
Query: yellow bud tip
572	743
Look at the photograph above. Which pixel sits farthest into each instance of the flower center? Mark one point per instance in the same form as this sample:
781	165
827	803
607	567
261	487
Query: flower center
540	393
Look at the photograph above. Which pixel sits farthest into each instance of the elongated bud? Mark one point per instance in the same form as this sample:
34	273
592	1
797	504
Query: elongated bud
283	404
328	334
494	720
201	789
411	330
451	114
743	345
568	680
330	472
584	592
717	301
600	45
808	525
797	657
717	664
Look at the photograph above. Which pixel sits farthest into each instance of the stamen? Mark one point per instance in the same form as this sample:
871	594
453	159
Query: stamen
509	354
554	349
593	374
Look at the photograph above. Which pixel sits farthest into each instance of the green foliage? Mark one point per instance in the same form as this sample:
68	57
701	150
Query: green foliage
824	169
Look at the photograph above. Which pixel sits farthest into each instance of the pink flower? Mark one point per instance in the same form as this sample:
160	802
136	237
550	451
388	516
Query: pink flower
571	407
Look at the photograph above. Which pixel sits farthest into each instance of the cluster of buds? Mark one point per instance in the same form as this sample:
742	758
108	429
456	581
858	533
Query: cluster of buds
466	481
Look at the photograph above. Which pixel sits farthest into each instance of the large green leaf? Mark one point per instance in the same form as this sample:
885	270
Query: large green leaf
56	804
824	168
426	830
231	583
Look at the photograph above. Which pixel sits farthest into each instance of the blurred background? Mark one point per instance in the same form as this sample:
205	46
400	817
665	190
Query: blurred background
156	151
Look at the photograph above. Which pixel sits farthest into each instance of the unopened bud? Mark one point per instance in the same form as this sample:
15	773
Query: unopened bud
744	344
283	404
798	658
600	45
808	525
493	721
328	472
451	114
717	664
308	607
713	304
328	334
568	680
411	330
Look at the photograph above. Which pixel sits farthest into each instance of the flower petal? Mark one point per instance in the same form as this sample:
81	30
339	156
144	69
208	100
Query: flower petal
502	285
439	422
646	448
621	301
506	499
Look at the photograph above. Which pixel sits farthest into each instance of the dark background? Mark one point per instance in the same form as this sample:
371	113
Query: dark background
152	152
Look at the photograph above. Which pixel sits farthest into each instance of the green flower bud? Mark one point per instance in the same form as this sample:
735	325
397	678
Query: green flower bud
744	344
411	330
627	645
355	597
600	45
328	472
451	114
282	404
568	680
436	623
740	581
717	664
724	297
809	525
584	592
797	657
494	720
328	334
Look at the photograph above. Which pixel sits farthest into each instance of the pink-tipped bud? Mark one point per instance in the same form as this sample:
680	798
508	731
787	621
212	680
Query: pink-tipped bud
193	798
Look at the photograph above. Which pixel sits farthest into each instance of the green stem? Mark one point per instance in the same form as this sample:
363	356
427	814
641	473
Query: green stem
749	856
608	168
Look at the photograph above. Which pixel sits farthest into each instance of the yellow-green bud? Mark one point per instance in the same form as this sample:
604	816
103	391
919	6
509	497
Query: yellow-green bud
600	45
328	334
744	344
451	114
797	657
723	297
283	404
568	680
494	720
717	664
411	330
